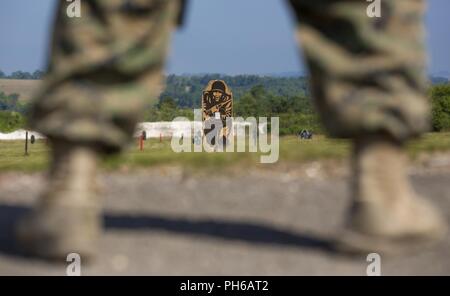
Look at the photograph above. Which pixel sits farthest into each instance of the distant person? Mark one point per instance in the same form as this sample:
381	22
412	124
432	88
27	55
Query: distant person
305	134
368	80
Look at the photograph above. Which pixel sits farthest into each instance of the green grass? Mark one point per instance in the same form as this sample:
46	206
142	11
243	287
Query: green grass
292	151
12	156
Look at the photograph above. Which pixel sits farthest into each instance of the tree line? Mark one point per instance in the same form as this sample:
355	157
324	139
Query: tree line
440	111
186	90
255	96
286	98
38	74
295	112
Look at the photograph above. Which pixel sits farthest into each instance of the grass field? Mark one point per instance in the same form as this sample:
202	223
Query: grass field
156	153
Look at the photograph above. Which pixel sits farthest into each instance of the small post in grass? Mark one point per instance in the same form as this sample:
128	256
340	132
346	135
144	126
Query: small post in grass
141	143
26	143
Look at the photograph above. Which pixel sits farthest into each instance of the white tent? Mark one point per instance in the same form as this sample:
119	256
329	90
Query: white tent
152	130
19	135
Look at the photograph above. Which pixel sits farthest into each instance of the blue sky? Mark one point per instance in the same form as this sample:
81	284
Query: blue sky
242	38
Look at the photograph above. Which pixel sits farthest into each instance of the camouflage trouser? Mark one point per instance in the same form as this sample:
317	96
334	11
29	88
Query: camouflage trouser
367	74
106	67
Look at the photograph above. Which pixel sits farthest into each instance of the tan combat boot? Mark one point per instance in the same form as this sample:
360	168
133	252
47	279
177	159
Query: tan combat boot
386	216
67	217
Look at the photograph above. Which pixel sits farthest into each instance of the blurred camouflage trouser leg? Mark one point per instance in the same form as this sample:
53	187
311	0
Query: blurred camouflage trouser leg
105	67
367	74
369	83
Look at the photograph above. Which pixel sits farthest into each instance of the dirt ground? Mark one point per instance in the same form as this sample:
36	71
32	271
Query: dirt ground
23	87
167	221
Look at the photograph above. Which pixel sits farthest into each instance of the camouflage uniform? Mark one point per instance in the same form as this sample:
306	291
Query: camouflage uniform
367	77
367	74
105	68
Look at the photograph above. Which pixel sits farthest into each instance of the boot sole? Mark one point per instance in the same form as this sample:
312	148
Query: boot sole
356	243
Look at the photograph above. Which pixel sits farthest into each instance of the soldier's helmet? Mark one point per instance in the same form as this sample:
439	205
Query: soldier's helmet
218	86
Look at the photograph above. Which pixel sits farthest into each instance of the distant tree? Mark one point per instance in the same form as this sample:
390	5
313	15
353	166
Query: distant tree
286	97
292	123
246	106
20	75
167	102
186	90
2	75
167	109
301	104
38	74
152	114
10	121
440	98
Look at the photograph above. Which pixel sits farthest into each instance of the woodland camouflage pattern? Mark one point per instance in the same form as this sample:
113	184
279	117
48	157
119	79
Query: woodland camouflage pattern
367	74
105	68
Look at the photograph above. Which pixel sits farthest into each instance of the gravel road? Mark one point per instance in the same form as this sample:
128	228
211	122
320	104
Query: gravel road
168	221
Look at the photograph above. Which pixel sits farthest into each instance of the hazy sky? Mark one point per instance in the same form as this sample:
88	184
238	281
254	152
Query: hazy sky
241	38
